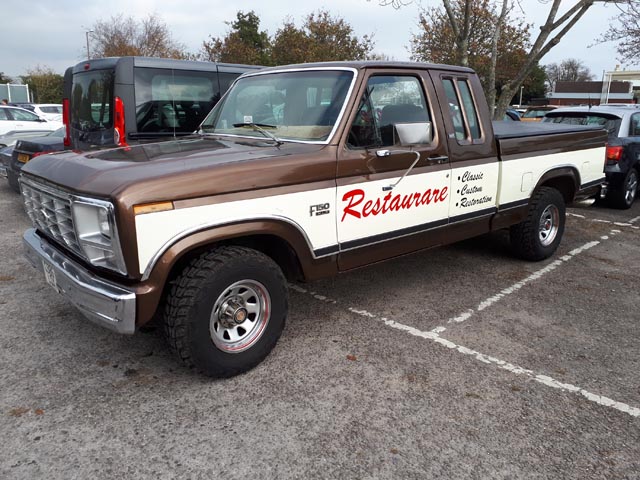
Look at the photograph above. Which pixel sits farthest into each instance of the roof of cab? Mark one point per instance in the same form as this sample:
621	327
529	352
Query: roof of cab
360	65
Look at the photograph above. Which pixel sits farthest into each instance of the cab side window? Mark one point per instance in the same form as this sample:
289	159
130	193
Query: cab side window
462	109
387	100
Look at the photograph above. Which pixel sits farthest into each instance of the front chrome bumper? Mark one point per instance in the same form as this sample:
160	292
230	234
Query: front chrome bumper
103	302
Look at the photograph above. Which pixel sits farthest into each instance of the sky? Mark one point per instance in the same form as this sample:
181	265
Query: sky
52	33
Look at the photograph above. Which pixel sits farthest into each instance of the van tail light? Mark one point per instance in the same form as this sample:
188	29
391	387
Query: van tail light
65	120
614	153
119	135
37	154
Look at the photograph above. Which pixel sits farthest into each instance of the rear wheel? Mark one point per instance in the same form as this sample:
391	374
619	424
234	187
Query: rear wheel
226	311
623	196
537	237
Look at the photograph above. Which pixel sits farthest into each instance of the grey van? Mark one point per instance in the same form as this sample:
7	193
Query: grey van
120	101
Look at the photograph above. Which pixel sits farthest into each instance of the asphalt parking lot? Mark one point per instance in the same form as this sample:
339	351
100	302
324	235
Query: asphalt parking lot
460	362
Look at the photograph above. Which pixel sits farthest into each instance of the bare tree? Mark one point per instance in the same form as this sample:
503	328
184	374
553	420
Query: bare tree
626	32
551	33
569	70
121	36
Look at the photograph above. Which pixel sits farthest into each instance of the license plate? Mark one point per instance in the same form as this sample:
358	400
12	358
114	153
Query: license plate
50	275
23	157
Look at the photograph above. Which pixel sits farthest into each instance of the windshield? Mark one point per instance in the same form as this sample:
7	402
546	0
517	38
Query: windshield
91	101
298	105
610	122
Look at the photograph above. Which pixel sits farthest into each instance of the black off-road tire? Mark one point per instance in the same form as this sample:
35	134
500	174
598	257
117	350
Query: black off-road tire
537	237
191	326
623	195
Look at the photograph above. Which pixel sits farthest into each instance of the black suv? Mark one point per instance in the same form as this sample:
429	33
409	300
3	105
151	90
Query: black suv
623	148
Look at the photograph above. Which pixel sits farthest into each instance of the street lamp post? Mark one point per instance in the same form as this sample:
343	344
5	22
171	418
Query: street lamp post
86	33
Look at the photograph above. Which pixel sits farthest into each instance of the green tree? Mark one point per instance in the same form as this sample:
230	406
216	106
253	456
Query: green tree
4	78
122	36
244	43
321	38
45	84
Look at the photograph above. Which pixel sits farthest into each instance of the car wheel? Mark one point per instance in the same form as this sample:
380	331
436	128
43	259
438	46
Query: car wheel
624	196
537	237
226	311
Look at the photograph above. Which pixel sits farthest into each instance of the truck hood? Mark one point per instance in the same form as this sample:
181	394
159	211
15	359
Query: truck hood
187	168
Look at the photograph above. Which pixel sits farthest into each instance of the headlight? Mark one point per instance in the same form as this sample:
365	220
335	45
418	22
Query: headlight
97	234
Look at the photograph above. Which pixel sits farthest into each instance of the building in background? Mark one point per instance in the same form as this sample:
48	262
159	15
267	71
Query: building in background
591	93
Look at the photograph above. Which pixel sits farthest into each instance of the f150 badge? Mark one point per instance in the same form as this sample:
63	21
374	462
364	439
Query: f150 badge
320	209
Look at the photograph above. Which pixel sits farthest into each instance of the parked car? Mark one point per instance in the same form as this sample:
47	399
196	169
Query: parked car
25	150
623	148
536	114
9	139
511	115
16	118
49	111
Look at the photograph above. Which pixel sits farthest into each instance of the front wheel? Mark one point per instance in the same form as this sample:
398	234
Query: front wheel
226	311
537	237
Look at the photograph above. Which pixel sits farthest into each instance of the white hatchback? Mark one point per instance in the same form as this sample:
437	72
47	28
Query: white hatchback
15	118
49	111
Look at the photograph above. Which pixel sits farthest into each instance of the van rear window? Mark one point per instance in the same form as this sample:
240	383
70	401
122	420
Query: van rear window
91	104
173	100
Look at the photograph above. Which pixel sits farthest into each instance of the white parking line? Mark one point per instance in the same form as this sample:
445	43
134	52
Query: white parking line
481	357
434	335
518	285
628	224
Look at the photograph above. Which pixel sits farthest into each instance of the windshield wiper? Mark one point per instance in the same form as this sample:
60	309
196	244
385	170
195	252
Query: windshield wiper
260	127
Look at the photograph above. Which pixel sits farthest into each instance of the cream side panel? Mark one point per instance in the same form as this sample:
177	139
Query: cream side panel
365	209
474	188
519	177
156	231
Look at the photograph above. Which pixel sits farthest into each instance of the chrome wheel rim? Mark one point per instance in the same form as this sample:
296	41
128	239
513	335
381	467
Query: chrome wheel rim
632	187
549	223
240	316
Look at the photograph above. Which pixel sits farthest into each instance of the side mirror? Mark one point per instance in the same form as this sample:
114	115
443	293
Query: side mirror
407	134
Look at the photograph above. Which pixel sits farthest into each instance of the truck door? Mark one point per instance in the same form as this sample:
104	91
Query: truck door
475	168
392	191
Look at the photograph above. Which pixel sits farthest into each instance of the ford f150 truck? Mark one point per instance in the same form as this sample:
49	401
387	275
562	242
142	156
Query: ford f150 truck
299	172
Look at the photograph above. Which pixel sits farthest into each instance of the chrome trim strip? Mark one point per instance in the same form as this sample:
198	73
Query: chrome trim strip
100	301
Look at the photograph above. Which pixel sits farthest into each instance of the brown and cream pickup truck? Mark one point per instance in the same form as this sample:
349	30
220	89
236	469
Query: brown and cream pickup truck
299	172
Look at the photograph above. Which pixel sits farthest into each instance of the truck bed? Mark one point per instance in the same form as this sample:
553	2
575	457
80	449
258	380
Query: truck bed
517	138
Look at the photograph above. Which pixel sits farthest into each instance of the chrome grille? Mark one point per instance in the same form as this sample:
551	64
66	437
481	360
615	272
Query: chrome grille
50	212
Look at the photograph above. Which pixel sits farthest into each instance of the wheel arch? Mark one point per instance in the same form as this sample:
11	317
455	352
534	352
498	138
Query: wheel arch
281	241
564	179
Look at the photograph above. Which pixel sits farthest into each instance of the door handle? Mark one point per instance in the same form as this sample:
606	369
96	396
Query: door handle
438	160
